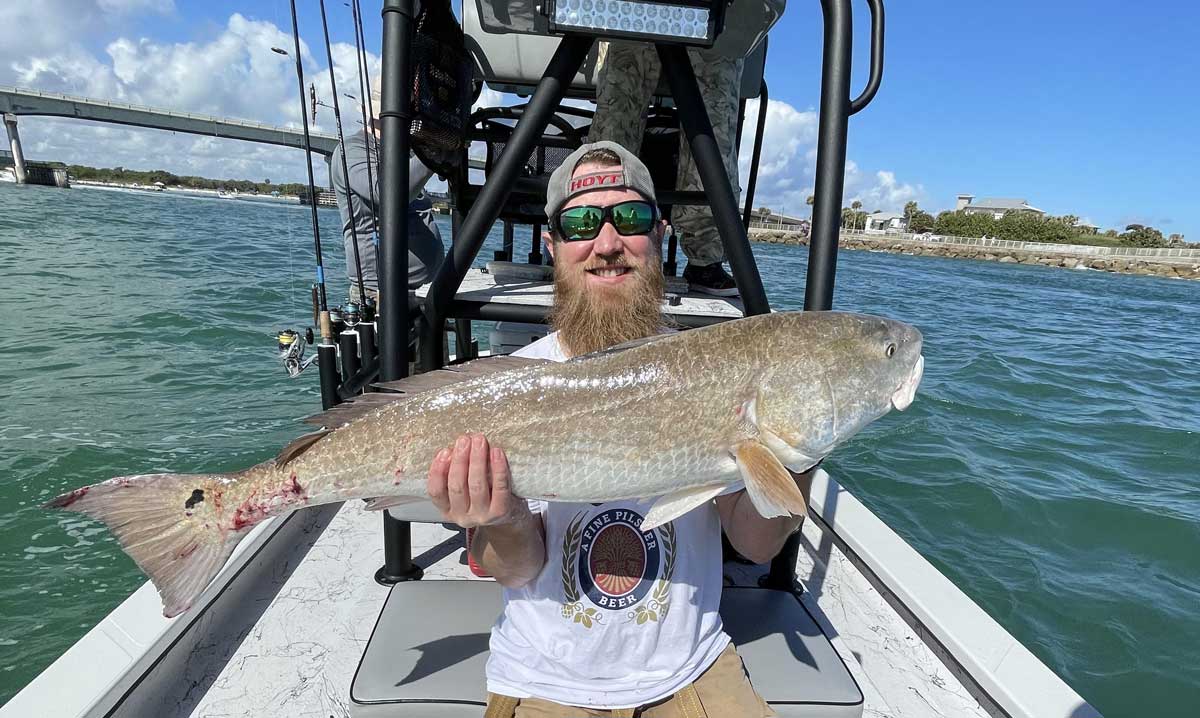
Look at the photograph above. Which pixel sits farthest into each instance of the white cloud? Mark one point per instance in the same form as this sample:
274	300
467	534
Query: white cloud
231	74
786	173
234	73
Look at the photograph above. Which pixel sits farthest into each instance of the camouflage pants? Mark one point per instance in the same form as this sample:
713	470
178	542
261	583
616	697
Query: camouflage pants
628	75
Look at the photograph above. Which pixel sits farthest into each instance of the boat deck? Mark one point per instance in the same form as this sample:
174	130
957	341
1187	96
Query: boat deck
300	656
510	285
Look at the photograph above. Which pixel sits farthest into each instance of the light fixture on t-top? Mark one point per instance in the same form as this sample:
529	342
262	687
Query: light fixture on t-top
697	22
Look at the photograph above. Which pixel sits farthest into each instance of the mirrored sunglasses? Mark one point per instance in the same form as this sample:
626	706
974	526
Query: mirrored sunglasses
581	223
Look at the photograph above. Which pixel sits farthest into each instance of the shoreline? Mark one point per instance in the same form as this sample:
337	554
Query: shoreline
186	192
1167	267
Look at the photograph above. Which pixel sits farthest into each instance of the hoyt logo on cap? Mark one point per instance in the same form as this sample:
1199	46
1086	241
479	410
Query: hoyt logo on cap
608	179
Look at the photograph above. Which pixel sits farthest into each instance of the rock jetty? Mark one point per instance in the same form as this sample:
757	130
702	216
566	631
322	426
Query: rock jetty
1173	267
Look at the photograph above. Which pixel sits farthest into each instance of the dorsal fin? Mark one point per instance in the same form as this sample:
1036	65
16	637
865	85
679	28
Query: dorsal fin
298	446
354	408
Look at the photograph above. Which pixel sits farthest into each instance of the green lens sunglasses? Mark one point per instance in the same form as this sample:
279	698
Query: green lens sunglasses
583	222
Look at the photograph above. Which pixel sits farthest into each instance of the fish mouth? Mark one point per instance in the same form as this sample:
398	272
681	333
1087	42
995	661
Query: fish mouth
903	396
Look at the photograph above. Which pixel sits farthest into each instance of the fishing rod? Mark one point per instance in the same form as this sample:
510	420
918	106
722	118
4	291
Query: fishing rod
327	350
364	93
337	118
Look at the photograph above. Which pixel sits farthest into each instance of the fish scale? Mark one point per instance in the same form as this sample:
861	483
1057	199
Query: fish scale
679	416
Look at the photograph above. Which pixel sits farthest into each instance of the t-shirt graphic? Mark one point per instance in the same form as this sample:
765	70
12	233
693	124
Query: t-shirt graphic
611	570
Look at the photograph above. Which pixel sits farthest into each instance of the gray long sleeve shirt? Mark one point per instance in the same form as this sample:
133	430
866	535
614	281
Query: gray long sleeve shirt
425	250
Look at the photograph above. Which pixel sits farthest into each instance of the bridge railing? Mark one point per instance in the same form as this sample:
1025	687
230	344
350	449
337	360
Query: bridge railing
59	97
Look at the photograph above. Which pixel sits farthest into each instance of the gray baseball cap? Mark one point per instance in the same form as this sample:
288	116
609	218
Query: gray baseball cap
632	174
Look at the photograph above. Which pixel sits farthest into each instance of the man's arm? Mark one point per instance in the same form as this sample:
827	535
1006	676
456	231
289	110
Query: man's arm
751	535
470	484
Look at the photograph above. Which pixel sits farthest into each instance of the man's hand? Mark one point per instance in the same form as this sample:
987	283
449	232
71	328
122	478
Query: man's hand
471	485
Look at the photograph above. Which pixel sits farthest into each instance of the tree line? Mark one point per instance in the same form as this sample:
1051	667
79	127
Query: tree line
1017	226
149	177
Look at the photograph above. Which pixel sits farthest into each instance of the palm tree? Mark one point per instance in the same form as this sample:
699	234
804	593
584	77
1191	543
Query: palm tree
910	208
809	201
856	206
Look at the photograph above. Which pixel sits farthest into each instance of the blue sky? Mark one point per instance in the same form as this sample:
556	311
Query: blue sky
1086	108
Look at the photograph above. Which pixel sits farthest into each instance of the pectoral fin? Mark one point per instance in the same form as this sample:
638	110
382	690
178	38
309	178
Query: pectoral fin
769	484
672	506
379	503
789	457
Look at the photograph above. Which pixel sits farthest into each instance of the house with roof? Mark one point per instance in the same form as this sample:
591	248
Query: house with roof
884	221
995	206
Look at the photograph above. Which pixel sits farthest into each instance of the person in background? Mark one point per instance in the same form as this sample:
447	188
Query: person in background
628	75
425	249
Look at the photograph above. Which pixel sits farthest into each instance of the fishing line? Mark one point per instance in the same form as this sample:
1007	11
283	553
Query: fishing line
287	223
360	43
337	118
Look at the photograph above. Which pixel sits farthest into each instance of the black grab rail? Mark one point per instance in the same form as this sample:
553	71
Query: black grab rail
833	125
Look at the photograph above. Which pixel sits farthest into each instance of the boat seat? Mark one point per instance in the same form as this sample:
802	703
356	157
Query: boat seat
427	653
511	45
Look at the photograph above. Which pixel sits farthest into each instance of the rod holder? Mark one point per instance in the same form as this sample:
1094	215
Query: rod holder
348	346
327	366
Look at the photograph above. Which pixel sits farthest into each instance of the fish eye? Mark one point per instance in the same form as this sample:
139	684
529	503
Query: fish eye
890	351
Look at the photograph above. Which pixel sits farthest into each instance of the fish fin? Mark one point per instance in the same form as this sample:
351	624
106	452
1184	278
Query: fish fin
173	536
791	458
772	489
379	503
672	506
392	391
298	447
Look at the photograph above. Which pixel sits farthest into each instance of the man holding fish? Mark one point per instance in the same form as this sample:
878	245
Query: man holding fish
598	614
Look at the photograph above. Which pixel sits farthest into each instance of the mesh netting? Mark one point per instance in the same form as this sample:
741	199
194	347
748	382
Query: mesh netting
442	77
542	160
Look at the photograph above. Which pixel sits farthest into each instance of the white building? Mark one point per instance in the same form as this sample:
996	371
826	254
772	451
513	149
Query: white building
885	221
995	206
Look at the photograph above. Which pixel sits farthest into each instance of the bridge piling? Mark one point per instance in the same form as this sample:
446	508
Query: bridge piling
14	141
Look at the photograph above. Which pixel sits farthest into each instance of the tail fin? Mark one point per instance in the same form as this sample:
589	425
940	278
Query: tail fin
163	522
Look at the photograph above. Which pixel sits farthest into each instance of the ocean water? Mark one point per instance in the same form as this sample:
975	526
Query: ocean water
1049	466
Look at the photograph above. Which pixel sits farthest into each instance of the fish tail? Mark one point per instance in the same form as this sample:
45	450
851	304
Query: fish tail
165	523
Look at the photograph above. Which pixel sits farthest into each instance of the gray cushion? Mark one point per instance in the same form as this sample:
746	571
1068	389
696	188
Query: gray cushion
427	654
791	663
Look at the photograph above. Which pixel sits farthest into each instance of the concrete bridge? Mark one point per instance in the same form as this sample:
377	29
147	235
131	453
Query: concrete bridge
15	101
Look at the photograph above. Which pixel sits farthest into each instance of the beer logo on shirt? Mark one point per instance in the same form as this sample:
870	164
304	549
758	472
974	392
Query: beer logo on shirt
612	565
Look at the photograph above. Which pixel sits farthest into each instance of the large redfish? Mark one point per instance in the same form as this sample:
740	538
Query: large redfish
682	417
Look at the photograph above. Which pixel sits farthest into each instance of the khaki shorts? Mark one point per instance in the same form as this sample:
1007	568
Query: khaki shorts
723	691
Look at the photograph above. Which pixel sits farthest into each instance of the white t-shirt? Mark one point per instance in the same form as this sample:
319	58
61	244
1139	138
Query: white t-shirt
617	618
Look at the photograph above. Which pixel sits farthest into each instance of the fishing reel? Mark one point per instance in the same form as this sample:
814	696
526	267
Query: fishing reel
290	347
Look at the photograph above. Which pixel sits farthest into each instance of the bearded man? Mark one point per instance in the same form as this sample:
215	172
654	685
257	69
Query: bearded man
601	619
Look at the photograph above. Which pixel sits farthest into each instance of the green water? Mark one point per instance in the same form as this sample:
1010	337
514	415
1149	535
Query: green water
1048	467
